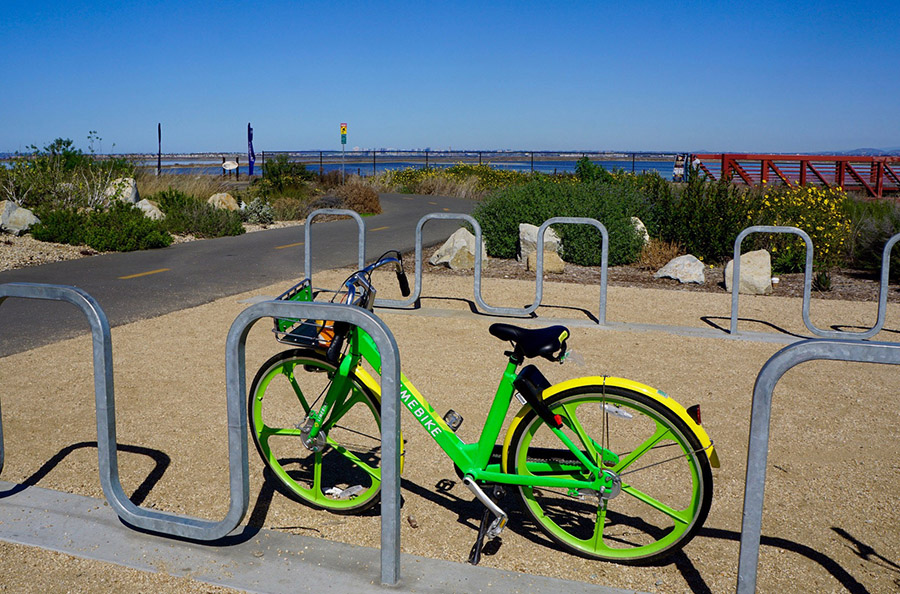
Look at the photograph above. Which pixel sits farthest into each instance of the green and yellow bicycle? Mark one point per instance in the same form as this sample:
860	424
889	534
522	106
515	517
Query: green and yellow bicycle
606	467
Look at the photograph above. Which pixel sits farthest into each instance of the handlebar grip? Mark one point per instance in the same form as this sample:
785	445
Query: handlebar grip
337	344
404	283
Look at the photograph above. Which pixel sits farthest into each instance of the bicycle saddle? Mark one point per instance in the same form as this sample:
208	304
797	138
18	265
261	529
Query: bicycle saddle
538	342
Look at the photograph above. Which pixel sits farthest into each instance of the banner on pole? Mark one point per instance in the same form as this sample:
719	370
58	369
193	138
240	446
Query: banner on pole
251	156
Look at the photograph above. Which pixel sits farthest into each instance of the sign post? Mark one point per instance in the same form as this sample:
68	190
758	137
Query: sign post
343	146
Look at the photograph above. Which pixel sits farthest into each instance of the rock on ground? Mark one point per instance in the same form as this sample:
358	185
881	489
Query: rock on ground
124	189
684	269
528	238
756	273
223	200
458	252
552	262
15	219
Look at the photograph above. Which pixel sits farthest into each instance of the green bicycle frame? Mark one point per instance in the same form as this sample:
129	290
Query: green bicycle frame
472	459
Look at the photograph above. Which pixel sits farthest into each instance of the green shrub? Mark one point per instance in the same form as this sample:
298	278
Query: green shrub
121	228
189	215
258	212
874	222
704	217
613	204
588	172
60	226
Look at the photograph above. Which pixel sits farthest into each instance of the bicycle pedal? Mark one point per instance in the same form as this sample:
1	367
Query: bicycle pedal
348	493
453	419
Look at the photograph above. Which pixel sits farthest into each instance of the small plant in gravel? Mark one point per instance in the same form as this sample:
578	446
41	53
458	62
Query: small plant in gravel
258	212
658	253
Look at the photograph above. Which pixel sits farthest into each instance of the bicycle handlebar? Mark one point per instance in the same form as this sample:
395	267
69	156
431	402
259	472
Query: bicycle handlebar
360	281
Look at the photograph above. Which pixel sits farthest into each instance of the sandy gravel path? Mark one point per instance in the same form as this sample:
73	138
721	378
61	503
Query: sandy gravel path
830	522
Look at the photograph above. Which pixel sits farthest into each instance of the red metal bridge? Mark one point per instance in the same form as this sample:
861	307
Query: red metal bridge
874	176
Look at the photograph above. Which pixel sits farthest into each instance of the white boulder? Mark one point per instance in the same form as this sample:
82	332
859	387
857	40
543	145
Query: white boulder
641	229
756	273
151	210
528	238
124	189
458	252
684	269
223	200
15	219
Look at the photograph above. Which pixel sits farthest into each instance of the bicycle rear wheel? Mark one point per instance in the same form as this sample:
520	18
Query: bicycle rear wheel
666	480
344	475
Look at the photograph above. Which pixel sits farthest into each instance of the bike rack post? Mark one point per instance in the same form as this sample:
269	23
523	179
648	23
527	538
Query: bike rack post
760	415
307	231
153	520
807	283
604	257
807	272
479	300
417	292
390	411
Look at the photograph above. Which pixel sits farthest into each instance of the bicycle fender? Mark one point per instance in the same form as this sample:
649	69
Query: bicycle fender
619	382
368	381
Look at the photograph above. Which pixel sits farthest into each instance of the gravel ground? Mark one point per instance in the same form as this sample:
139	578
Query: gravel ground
830	522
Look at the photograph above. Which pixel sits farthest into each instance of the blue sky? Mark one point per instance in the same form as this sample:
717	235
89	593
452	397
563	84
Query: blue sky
763	76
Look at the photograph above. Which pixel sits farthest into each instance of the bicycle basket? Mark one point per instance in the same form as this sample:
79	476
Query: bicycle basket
317	334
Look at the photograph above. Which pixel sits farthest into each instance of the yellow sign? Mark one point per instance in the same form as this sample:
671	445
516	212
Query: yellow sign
343	128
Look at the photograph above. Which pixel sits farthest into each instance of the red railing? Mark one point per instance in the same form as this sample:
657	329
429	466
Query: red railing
875	176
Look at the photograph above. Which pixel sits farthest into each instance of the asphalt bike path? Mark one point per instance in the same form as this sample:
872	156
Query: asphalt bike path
139	285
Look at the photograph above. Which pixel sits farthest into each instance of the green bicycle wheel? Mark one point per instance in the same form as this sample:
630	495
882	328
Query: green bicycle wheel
665	477
342	471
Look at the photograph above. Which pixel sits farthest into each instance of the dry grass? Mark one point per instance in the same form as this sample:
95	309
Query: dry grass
657	254
201	186
359	197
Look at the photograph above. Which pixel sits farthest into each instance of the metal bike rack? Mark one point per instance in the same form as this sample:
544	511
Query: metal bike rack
760	415
604	258
807	283
807	274
141	517
417	292
307	232
539	283
390	411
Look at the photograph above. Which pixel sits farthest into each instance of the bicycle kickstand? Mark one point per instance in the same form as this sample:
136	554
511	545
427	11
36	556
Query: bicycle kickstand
487	528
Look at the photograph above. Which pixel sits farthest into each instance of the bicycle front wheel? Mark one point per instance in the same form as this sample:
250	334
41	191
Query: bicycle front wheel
665	477
342	471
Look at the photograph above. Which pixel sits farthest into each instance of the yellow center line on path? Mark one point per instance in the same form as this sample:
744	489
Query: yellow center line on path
148	273
433	203
281	247
380	228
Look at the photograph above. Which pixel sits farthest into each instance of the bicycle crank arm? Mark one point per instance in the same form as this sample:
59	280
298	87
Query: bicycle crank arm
500	515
